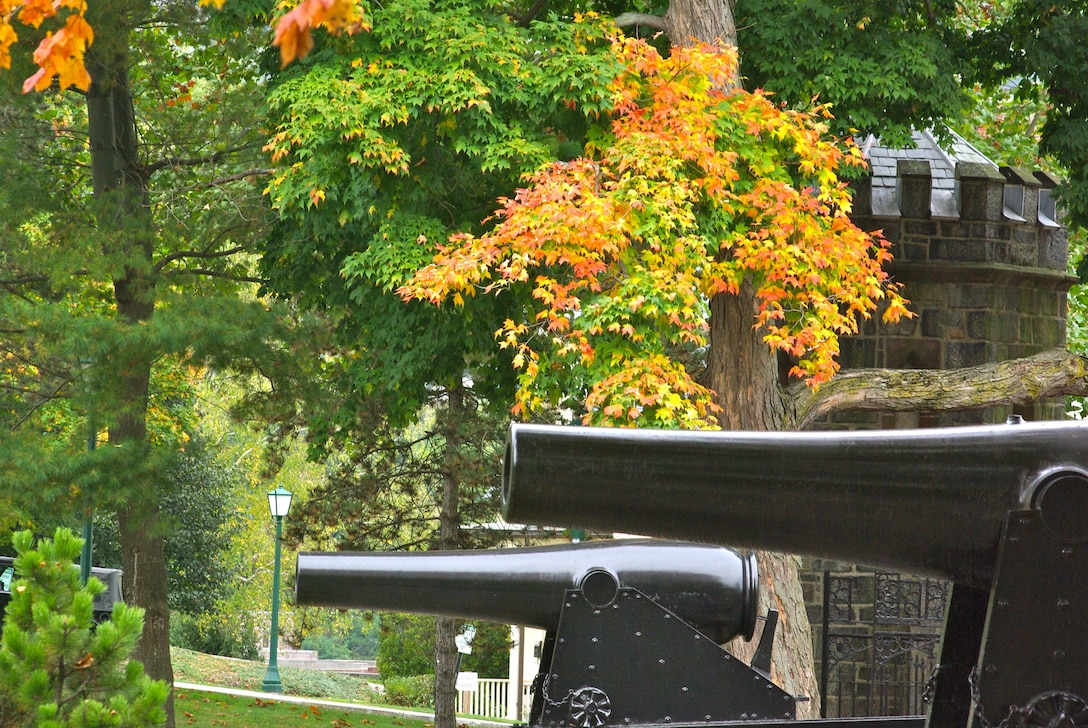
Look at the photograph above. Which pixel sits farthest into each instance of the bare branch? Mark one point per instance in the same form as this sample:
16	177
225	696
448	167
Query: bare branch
1052	373
45	399
627	20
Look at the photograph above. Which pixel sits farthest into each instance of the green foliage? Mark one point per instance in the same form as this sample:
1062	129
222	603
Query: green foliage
359	641
213	637
1039	43
56	668
883	66
416	691
1005	122
199	501
383	490
406	647
389	141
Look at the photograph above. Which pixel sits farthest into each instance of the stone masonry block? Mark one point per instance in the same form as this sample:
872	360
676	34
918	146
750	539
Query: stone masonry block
960	354
972	295
981	324
1053	248
931	323
913	354
982	192
915	188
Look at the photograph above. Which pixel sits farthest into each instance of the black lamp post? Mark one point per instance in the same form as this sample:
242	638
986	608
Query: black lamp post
279	502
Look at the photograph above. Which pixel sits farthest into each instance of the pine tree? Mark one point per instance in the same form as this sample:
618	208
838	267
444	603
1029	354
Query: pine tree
57	668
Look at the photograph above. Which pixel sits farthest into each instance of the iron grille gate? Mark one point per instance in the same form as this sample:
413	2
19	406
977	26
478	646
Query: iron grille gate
879	642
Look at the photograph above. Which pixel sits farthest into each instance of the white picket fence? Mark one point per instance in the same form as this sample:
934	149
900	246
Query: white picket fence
493	699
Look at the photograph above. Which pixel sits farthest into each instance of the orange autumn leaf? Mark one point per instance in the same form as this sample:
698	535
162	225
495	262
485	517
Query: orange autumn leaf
60	55
34	12
293	29
7	37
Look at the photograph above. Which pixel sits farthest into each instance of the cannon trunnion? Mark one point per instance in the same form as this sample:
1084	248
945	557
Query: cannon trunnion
632	626
1002	511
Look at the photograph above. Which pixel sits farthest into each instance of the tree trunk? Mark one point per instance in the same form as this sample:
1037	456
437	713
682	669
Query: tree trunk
142	557
743	371
702	21
449	519
125	228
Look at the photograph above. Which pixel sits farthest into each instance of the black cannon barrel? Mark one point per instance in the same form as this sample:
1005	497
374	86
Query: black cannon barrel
713	588
930	501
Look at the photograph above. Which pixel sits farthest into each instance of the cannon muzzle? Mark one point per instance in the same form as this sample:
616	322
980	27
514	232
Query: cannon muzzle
712	588
926	501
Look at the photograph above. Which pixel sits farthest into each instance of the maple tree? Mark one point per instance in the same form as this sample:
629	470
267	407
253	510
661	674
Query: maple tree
696	190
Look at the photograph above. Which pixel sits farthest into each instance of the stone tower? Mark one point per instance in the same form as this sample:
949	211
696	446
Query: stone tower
982	257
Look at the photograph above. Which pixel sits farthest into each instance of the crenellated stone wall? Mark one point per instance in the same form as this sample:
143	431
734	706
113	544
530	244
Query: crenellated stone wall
982	258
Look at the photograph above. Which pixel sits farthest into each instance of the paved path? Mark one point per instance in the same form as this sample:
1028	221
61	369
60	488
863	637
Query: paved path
418	715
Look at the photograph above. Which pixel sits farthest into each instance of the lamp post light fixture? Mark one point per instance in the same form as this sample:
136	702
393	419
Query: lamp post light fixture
279	502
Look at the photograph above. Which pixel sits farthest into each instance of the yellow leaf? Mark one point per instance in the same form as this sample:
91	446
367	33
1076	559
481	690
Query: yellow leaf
7	37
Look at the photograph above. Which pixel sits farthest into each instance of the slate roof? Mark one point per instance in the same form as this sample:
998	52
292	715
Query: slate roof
942	166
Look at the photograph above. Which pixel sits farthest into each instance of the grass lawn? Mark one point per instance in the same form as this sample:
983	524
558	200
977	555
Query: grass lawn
196	667
212	710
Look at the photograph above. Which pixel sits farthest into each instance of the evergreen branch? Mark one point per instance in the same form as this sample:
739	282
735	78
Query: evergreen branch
1051	373
37	278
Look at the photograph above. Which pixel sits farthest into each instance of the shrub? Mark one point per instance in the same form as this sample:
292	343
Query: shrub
412	692
210	637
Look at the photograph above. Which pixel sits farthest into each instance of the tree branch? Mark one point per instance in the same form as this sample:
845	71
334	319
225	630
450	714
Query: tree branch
626	20
216	274
1052	373
214	158
198	254
530	15
255	172
24	279
44	400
